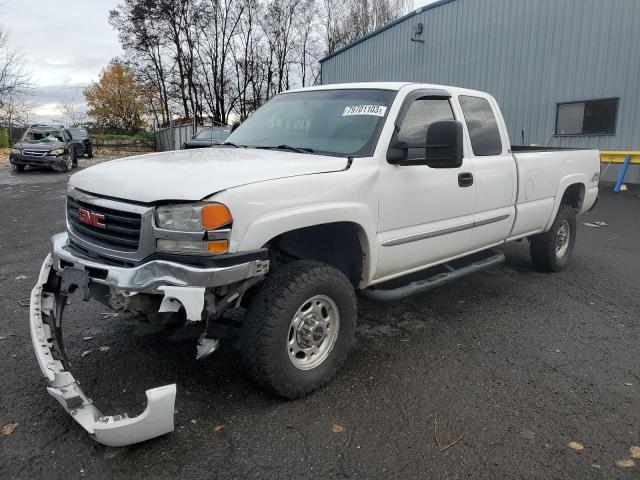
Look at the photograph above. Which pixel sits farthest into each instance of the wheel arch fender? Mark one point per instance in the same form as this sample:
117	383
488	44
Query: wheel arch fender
275	224
571	188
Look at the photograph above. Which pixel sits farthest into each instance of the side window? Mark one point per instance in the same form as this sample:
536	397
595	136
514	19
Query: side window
482	125
422	113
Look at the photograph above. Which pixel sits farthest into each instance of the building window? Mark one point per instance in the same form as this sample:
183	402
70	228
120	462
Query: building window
591	117
482	126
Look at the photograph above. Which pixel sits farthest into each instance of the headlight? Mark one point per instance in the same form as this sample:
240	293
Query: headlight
57	151
17	151
193	218
197	218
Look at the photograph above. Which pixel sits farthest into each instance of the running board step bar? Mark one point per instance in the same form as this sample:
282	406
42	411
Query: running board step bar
435	276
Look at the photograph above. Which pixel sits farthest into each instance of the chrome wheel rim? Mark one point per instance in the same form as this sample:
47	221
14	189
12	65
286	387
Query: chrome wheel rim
313	332
69	163
562	238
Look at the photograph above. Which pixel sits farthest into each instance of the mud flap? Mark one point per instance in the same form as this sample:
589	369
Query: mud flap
115	431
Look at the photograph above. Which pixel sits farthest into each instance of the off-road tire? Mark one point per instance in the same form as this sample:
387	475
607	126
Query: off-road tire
265	328
543	245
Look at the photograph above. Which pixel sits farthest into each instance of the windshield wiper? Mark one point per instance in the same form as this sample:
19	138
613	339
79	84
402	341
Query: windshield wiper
231	144
286	147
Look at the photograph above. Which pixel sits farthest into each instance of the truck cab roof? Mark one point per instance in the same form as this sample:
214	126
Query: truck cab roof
396	86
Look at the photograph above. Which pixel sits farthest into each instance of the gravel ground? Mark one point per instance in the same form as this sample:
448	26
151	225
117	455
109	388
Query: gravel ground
508	367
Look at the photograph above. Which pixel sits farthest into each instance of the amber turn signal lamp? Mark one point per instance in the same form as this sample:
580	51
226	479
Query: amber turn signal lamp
218	246
215	215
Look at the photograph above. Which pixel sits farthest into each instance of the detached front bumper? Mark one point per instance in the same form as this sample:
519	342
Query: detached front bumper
115	431
179	283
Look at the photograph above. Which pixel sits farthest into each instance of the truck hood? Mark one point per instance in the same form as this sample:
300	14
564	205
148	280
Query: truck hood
196	174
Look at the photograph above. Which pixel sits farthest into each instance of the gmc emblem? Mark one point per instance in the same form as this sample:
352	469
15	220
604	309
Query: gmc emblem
91	218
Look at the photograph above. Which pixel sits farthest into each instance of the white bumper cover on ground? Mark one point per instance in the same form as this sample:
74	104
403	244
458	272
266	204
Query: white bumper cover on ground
117	430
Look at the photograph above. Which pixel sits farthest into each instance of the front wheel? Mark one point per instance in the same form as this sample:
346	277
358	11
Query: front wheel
299	328
68	164
69	161
551	250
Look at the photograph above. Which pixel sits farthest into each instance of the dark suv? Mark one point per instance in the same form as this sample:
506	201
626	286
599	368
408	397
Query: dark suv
44	146
82	141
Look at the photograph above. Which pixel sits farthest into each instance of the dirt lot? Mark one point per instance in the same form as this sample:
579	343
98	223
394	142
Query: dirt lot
509	367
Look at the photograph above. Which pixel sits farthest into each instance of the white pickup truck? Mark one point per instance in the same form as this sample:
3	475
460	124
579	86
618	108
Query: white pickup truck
387	189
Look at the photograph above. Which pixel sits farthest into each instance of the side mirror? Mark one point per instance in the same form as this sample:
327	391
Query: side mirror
444	144
442	149
234	126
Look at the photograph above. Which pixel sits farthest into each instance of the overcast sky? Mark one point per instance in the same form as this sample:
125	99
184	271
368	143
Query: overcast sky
66	44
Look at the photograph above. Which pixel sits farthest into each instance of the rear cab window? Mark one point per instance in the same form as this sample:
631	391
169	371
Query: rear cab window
482	125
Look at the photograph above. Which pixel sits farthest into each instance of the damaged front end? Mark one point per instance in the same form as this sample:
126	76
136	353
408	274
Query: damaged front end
47	305
202	293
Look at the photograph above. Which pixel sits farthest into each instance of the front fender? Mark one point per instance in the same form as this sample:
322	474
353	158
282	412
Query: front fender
272	224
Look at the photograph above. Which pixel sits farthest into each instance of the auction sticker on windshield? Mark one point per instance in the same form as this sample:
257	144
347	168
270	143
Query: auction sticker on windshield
375	110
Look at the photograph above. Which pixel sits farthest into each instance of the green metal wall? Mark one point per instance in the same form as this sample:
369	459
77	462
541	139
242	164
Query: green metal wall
529	54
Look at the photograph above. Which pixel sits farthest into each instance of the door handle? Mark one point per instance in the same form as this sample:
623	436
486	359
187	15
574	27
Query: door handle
465	179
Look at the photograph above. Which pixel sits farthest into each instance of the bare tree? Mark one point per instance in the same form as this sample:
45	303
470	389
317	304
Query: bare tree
146	45
347	20
221	21
209	59
14	81
248	72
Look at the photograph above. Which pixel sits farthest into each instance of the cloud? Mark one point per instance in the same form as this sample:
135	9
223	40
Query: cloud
46	103
65	46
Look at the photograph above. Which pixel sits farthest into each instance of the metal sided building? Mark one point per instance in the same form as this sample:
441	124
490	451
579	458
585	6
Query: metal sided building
566	72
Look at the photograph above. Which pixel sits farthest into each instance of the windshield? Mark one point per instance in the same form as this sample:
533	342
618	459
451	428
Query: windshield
333	122
213	134
78	132
42	136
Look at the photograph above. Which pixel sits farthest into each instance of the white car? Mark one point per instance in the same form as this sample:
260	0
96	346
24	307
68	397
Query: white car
387	189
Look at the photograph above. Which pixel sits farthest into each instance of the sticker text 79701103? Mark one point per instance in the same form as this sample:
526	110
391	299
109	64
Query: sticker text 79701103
375	110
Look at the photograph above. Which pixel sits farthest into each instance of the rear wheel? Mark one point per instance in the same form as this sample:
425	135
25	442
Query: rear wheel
299	328
551	250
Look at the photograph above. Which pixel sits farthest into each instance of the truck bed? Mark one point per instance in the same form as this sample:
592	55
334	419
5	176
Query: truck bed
543	173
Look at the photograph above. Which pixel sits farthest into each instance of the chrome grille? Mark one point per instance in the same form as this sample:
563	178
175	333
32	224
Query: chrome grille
34	153
119	230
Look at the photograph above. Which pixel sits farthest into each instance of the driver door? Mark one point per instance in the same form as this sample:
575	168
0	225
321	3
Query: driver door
425	213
